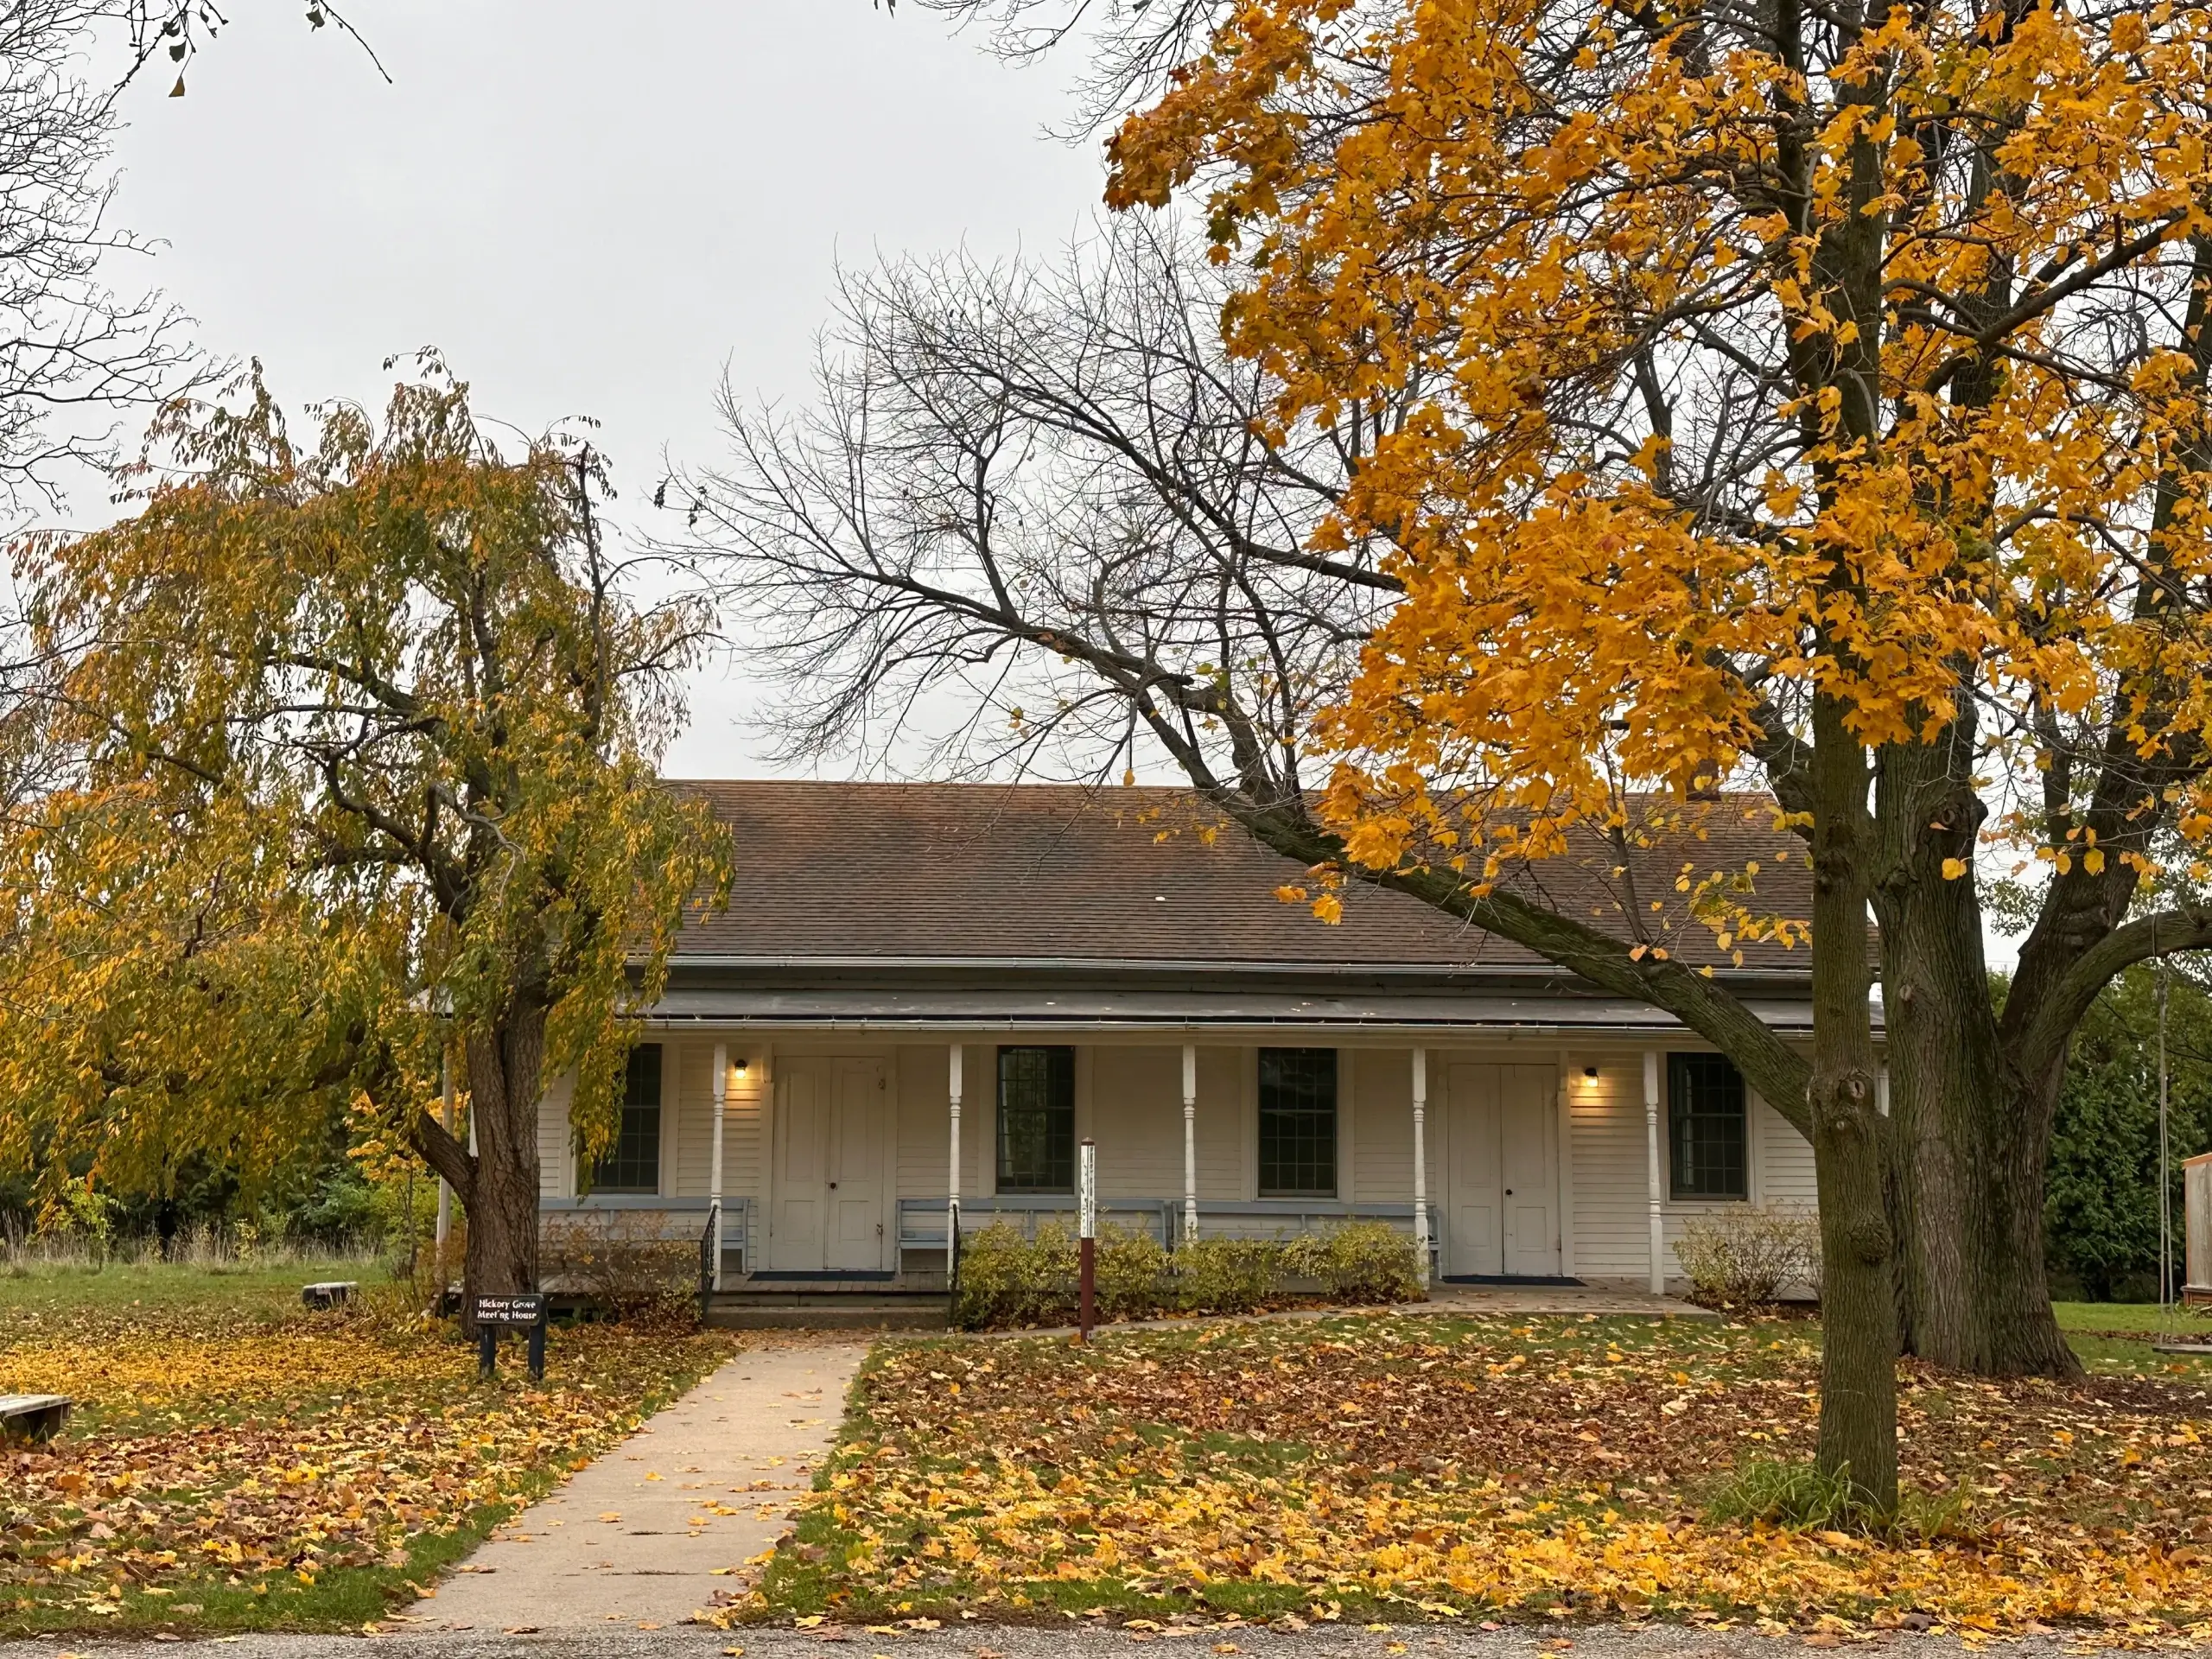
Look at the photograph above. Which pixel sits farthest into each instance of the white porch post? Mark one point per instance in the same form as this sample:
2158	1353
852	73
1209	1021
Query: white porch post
1190	1142
953	1202
720	1094
1656	1175
1420	1161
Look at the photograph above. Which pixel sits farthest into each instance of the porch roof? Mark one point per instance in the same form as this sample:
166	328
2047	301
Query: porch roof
1375	1009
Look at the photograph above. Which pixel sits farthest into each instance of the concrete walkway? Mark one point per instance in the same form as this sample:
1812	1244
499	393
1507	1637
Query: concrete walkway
637	1538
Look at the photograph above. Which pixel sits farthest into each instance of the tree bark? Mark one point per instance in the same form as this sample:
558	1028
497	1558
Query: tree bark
1968	1131
497	1182
1858	1428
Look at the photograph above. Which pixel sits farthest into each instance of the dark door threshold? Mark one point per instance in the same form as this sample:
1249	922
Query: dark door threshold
1551	1281
835	1276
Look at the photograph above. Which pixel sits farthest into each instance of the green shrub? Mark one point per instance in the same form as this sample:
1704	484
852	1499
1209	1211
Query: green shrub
1132	1275
1360	1261
1747	1253
1225	1275
1006	1279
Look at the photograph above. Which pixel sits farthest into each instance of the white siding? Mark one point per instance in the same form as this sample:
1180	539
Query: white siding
1785	1169
1136	1117
1611	1201
1606	1151
922	1082
1382	1162
556	1179
1220	1124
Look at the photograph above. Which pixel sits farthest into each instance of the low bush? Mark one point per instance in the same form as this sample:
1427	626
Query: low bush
1747	1254
1363	1262
1008	1281
1225	1275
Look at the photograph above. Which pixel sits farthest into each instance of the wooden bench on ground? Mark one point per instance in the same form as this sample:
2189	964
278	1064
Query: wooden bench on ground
28	1417
331	1293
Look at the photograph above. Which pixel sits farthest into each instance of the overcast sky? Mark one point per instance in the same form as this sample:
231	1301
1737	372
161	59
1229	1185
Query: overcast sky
589	209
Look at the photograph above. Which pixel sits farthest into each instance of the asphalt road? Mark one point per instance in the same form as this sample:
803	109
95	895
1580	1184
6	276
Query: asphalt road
998	1641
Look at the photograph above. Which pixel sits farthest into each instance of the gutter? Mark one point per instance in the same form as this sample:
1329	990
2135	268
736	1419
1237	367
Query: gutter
1513	1032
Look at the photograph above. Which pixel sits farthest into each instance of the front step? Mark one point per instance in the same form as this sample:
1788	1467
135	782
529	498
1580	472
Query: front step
754	1310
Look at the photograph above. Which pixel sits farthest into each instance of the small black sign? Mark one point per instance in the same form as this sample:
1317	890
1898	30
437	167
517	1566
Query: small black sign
527	1309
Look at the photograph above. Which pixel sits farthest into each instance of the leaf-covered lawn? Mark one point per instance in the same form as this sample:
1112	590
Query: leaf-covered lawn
1398	1464
233	1465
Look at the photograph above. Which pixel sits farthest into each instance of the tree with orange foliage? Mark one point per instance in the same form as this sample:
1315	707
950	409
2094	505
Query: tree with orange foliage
1800	389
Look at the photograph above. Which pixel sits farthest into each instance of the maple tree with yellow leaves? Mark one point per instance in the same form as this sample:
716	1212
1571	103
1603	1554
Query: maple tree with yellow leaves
1817	390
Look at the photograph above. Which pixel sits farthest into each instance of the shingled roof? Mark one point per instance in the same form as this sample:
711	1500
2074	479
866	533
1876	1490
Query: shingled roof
1005	873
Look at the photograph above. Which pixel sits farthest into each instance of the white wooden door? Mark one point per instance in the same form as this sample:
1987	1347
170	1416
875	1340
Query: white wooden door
1475	1185
801	1171
1529	1131
860	1144
1502	1171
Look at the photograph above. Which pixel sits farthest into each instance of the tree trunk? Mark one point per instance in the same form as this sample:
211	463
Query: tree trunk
1858	1432
497	1184
1969	1137
506	1066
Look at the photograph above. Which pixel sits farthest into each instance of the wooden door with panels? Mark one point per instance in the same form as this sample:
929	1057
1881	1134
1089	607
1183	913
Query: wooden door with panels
832	1165
1501	1200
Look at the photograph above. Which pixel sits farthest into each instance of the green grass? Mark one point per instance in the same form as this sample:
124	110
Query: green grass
2117	1336
191	1311
249	1288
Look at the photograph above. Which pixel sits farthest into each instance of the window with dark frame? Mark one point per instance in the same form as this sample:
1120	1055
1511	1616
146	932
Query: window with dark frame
1707	1127
1037	1120
1297	1122
632	1163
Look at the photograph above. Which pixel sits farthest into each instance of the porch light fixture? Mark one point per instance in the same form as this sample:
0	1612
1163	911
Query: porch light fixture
1589	1074
738	1066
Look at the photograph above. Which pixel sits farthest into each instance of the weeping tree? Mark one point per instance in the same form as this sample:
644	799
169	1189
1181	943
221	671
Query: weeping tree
365	734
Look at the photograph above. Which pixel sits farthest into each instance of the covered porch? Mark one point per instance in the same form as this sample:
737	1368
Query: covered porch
846	1159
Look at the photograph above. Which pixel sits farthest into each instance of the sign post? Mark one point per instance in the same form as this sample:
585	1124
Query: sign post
1086	1232
524	1311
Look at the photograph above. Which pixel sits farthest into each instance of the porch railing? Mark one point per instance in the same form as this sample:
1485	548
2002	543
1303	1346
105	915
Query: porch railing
707	1260
643	1216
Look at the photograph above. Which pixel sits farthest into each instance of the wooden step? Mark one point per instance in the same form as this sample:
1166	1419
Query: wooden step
759	1311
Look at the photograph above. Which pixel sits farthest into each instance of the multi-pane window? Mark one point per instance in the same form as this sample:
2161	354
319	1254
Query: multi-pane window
632	1163
1297	1122
1707	1129
1037	1120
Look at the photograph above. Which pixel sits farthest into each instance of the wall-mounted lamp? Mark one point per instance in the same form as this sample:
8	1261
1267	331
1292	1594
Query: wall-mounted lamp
738	1067
1589	1074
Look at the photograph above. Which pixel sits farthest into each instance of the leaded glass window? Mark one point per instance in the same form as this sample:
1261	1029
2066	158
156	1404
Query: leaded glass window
1037	1120
1297	1122
632	1163
1706	1126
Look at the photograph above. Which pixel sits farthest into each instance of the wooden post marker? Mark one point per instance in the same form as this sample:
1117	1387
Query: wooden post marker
1086	1232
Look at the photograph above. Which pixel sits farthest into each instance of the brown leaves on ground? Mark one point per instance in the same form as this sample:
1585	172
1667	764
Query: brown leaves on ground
244	1457
1453	1465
